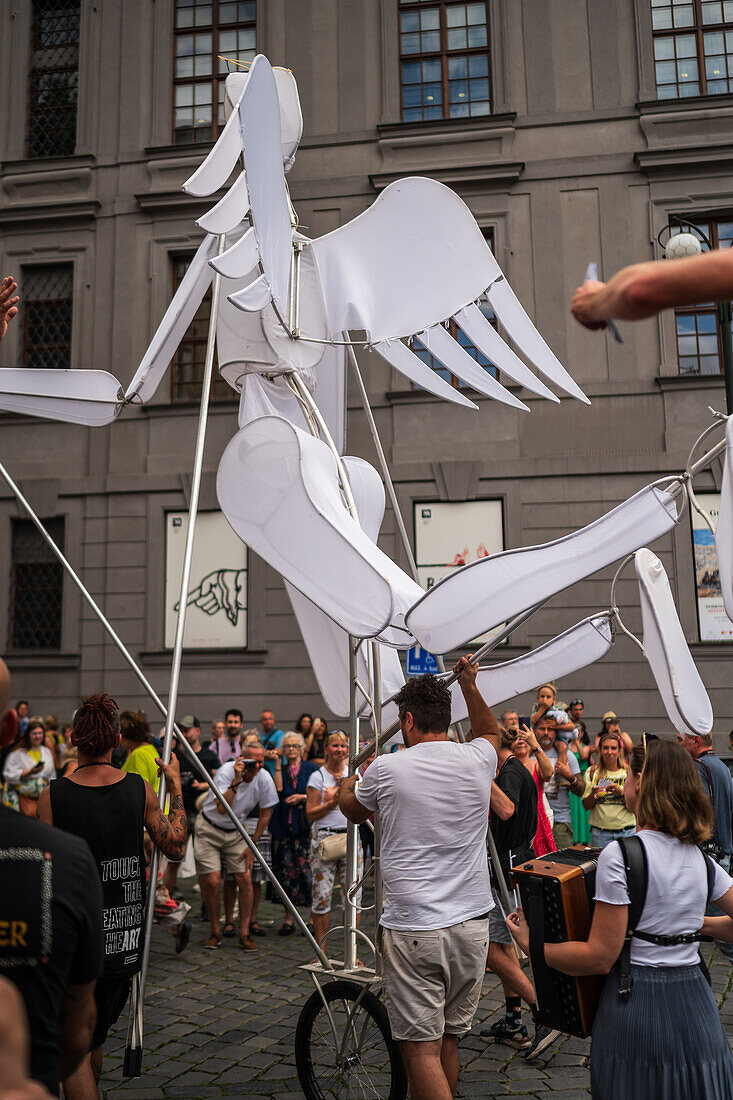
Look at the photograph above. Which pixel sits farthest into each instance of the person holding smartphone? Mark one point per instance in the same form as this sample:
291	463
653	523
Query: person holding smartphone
28	770
248	788
604	793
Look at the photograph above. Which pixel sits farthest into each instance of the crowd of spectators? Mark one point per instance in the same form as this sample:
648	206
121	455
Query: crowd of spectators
557	784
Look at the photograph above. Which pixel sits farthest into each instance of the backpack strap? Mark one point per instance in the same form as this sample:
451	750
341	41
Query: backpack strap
637	880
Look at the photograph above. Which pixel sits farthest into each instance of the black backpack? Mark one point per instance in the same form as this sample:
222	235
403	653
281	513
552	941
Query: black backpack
637	881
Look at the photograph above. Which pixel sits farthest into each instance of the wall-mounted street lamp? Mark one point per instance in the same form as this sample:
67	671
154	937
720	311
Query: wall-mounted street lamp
681	243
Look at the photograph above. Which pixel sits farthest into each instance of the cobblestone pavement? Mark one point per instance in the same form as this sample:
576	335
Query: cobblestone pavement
221	1023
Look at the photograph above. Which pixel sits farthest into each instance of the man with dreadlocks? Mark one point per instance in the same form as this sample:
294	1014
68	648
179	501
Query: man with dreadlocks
109	809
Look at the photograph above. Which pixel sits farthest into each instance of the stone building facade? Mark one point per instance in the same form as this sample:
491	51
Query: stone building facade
573	129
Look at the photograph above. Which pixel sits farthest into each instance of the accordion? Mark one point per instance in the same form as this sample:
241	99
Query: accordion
556	892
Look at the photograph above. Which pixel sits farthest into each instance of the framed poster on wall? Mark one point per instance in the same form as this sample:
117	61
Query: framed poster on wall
714	624
217	597
449	534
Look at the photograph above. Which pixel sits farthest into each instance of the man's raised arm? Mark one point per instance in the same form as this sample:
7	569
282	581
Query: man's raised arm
483	723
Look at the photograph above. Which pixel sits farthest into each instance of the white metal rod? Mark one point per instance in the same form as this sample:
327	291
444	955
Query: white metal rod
183	605
377	842
352	831
389	484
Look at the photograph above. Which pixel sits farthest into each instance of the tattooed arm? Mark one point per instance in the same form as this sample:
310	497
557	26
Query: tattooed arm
168	832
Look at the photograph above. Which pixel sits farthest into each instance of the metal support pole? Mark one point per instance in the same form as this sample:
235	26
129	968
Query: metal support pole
725	316
377	843
134	1051
388	483
352	831
391	493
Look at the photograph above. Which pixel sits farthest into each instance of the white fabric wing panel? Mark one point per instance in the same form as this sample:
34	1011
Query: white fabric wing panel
406	362
724	530
253	297
273	481
218	166
172	328
580	646
327	643
229	212
259	112
291	116
442	345
683	692
481	595
240	259
485	337
409	261
74	396
514	319
328	650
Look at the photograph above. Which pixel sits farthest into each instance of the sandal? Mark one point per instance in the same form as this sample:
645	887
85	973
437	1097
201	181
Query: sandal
287	928
255	930
229	931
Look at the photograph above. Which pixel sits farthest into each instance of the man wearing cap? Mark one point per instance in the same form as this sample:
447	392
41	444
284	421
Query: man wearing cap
192	785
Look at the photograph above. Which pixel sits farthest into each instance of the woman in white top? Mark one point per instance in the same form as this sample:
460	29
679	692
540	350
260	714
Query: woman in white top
28	770
666	1041
323	812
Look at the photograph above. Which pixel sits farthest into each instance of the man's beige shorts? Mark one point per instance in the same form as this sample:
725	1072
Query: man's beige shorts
211	845
432	980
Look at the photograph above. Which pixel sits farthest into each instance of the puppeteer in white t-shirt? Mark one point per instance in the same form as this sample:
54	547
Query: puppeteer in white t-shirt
433	802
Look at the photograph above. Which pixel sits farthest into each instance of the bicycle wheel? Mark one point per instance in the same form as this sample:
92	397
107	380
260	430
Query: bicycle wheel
356	1057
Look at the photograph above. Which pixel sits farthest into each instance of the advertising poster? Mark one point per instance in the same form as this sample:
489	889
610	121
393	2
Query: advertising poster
715	626
217	598
450	534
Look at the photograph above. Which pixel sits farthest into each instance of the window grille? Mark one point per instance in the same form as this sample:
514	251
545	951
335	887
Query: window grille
54	78
444	60
204	31
36	587
46	310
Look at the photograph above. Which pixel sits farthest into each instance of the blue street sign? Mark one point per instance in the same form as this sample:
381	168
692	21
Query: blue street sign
419	661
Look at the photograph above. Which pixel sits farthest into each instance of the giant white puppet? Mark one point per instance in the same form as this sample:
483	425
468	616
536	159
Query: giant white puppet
396	279
398	273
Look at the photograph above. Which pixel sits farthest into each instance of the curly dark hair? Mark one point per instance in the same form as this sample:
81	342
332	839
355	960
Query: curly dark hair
428	701
134	726
96	725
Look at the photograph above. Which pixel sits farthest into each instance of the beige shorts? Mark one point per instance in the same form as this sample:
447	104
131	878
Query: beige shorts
212	845
432	980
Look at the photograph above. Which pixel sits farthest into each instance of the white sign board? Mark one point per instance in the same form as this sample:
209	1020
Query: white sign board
217	597
449	534
715	626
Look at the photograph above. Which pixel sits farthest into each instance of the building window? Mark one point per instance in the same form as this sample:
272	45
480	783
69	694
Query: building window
206	31
444	60
699	349
693	47
46	309
188	362
54	78
36	587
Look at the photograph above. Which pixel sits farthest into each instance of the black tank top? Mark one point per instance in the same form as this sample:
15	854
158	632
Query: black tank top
111	819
